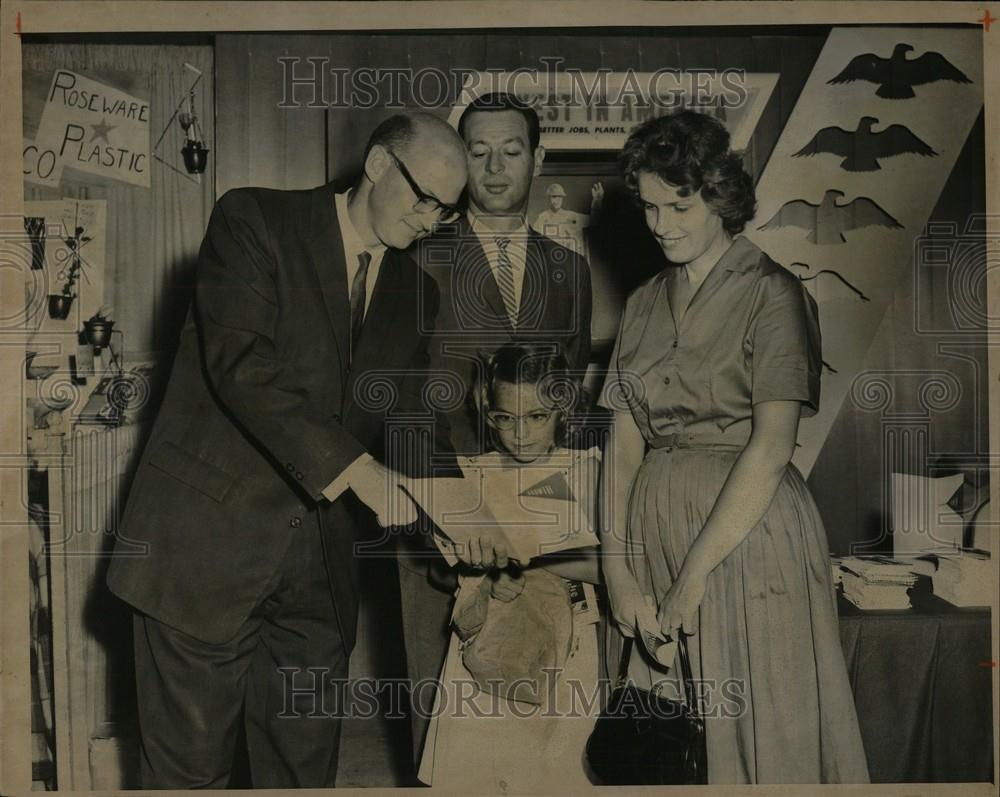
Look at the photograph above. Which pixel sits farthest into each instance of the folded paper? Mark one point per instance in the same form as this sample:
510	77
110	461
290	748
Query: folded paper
533	508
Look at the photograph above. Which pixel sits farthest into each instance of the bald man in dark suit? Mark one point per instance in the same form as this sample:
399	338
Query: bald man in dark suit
268	449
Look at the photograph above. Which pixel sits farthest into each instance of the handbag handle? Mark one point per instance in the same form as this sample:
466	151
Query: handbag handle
623	662
686	676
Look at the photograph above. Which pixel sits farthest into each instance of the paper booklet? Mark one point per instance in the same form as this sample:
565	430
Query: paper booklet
536	508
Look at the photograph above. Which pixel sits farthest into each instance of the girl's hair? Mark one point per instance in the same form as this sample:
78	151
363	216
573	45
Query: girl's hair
540	364
690	150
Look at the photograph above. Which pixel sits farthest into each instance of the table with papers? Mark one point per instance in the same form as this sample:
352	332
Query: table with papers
922	686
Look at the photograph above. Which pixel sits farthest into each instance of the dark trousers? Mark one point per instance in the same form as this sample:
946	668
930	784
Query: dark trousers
426	615
278	675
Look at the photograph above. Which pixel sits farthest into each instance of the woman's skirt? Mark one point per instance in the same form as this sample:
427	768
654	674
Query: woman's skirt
767	652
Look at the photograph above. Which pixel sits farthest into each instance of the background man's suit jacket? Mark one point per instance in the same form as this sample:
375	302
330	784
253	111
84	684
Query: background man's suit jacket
555	307
264	408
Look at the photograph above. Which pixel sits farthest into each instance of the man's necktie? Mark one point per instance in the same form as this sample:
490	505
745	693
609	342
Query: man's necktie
358	289
505	278
681	294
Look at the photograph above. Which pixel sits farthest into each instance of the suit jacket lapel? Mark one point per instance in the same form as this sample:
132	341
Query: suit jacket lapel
328	258
536	285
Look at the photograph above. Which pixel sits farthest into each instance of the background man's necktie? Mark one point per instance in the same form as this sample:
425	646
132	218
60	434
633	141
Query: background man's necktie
505	278
358	289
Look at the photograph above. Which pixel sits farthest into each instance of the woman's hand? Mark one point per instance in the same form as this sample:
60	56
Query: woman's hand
506	586
627	601
679	607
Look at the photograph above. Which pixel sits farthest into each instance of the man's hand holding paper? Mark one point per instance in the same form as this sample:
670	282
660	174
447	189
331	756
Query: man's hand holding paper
473	533
379	488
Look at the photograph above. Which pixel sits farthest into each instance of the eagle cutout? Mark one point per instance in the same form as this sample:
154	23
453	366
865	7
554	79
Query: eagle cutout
897	75
828	221
861	149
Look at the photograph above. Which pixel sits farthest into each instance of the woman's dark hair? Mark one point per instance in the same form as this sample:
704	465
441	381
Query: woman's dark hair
691	150
540	364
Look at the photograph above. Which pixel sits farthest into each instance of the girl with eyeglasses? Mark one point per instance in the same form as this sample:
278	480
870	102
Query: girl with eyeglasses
482	740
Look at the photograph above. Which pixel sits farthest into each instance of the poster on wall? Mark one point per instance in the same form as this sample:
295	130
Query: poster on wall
597	110
41	166
92	127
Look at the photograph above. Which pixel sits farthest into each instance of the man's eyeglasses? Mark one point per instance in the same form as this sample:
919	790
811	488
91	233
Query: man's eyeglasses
426	203
506	421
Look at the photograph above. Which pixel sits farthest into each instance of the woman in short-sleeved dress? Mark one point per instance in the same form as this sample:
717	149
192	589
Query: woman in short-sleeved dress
716	357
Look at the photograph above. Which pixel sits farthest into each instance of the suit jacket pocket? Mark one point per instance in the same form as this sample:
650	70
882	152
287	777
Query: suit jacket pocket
191	470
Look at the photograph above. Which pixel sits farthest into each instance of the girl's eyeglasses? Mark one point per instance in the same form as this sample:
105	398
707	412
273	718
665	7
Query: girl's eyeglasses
505	421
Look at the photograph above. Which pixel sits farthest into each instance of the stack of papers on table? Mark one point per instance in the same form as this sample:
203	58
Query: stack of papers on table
877	582
836	570
964	578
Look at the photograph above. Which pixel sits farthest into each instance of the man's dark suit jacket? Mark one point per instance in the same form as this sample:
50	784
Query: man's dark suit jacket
264	408
555	307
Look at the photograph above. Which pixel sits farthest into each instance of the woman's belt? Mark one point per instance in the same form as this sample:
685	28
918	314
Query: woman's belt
731	442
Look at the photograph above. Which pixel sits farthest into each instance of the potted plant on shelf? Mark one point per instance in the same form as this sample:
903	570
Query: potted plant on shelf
194	150
60	303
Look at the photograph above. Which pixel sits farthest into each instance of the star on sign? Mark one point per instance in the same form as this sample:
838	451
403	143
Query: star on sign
102	130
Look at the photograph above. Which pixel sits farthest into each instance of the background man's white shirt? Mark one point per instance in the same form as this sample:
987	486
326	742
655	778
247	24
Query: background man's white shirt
354	247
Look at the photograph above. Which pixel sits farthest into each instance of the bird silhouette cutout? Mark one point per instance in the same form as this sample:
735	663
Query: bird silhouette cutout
828	221
897	75
861	149
832	273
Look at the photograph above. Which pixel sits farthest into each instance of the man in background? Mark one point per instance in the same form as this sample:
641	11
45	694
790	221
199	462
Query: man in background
500	282
265	456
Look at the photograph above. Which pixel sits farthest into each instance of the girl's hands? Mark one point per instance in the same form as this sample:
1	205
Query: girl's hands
506	586
679	607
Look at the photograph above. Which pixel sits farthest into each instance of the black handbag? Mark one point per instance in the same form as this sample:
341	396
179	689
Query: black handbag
643	738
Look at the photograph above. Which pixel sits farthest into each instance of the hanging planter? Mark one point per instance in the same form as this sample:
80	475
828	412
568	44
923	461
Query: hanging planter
194	151
97	330
195	157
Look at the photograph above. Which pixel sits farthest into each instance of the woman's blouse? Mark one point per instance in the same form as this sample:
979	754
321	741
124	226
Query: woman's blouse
750	334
